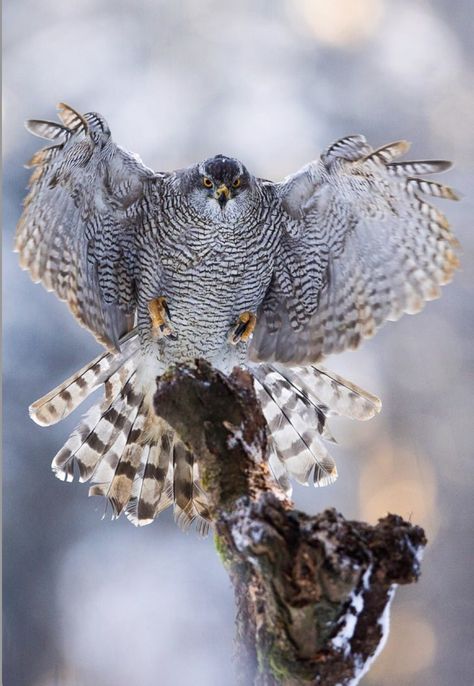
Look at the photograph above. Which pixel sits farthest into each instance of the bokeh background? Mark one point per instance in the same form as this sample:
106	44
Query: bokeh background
90	602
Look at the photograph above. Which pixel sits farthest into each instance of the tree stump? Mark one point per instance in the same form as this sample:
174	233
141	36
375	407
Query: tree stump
312	593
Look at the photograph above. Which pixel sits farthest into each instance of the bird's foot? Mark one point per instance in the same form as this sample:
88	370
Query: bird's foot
243	329
160	318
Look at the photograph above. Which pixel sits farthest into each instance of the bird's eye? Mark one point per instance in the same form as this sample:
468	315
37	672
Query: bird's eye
236	183
207	182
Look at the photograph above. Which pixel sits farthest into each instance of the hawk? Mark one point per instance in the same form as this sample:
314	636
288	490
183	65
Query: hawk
212	262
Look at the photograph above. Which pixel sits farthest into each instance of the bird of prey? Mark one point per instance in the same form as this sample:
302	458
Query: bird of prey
212	262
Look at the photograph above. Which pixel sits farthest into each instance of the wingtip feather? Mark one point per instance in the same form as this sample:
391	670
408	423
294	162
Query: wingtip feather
49	130
71	118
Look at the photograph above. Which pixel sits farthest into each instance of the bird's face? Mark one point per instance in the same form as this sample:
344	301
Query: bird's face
221	188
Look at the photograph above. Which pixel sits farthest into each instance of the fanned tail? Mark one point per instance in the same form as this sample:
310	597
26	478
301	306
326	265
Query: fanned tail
133	458
137	462
296	402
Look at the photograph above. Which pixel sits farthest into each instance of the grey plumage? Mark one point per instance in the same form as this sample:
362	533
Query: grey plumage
166	267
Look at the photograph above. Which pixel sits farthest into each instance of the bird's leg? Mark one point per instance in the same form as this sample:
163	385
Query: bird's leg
160	318
243	329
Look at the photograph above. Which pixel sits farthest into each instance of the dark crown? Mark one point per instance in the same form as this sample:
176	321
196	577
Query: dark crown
222	169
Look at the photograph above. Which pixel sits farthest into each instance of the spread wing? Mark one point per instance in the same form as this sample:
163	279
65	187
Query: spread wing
76	233
360	245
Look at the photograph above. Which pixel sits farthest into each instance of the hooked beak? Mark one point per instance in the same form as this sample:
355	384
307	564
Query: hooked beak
222	195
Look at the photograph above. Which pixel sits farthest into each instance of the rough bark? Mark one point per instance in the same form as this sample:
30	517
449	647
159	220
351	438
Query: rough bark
312	593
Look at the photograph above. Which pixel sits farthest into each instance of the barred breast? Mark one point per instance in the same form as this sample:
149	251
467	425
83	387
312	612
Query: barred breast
209	275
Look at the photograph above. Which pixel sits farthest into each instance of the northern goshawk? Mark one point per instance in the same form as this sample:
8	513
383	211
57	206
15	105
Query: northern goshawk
212	262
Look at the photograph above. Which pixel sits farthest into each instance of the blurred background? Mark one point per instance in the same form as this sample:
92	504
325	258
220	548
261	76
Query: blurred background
93	602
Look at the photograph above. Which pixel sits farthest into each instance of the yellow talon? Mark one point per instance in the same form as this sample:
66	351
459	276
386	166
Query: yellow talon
244	328
160	317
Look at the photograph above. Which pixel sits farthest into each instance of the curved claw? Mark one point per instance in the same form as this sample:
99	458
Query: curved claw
244	328
161	318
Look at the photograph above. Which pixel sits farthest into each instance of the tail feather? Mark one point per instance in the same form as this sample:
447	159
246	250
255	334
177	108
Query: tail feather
118	488
296	403
183	463
64	461
337	395
316	410
152	487
278	469
296	440
96	433
124	420
200	502
62	400
137	485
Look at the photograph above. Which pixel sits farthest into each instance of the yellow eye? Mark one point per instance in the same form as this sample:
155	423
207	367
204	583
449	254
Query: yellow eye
236	183
207	182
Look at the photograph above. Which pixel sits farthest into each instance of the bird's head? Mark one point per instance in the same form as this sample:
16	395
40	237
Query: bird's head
221	187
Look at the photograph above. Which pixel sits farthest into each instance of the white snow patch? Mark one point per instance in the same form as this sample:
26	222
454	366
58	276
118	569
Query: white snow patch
417	551
244	538
366	577
238	437
384	622
348	623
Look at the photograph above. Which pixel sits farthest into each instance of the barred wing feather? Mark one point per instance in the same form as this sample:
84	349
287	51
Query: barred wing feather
361	246
81	211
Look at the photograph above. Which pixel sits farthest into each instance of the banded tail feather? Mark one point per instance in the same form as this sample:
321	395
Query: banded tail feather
152	489
331	392
190	501
138	463
296	426
62	400
117	469
296	402
94	436
278	469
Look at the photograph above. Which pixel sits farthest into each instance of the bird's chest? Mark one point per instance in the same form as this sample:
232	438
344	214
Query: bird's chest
216	268
209	278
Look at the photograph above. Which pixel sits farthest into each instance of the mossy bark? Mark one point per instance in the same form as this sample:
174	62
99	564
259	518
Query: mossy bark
311	592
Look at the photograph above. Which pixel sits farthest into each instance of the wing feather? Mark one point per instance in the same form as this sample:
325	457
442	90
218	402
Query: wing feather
361	245
82	211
